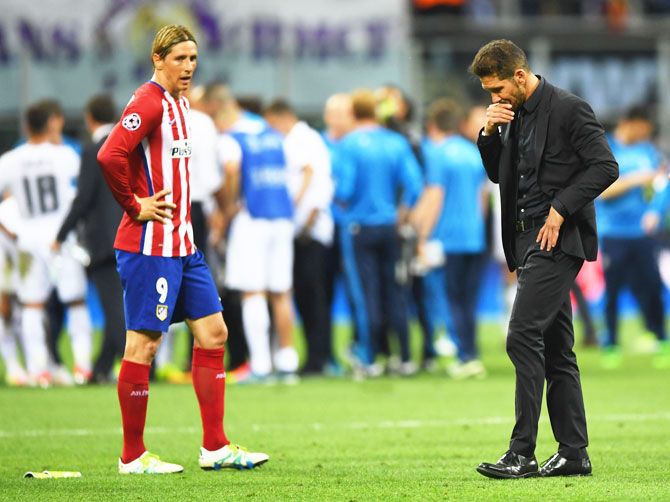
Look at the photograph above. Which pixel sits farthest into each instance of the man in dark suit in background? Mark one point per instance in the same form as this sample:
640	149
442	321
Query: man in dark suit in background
549	154
95	207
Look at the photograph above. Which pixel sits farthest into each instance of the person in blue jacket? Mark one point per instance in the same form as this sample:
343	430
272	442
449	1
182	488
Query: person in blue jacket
452	210
628	220
378	175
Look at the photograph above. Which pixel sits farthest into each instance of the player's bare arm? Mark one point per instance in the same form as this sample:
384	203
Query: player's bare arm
231	190
626	183
8	232
307	175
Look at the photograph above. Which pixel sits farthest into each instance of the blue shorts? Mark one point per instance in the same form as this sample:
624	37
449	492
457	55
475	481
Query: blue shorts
159	291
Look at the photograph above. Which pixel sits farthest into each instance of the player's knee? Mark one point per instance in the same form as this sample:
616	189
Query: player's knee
219	336
142	350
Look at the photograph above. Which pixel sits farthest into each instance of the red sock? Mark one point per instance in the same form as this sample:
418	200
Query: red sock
209	382
133	391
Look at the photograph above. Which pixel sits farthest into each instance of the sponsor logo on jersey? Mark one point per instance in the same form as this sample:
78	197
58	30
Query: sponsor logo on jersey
220	376
181	148
139	393
161	312
132	122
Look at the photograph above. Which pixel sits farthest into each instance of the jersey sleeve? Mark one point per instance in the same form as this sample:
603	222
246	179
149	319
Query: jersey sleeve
432	165
228	149
344	175
410	175
73	166
5	170
205	163
140	117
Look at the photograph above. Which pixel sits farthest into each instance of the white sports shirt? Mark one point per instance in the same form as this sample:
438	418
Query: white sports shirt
42	178
206	173
304	146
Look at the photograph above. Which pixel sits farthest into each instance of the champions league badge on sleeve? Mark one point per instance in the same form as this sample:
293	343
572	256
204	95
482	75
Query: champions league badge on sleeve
132	122
161	312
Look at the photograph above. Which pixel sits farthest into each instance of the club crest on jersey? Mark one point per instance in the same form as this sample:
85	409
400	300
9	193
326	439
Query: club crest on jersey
132	122
161	312
181	148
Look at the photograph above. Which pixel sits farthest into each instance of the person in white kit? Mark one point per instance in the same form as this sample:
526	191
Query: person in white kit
9	222
40	175
311	188
259	256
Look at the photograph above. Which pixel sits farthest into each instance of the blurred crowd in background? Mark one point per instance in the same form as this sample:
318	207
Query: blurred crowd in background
402	216
342	218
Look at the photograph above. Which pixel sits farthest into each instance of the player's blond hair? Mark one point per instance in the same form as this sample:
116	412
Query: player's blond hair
169	36
364	104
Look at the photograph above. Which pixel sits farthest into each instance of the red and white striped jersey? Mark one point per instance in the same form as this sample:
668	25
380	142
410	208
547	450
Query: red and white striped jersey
147	151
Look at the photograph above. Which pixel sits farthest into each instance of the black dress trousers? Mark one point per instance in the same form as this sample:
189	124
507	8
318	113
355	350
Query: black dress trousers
539	343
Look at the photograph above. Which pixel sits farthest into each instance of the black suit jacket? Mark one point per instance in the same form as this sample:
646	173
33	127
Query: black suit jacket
95	206
575	164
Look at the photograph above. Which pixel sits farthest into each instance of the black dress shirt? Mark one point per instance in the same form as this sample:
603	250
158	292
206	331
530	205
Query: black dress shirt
531	201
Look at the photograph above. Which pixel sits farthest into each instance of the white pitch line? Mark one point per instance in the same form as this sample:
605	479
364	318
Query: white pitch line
318	426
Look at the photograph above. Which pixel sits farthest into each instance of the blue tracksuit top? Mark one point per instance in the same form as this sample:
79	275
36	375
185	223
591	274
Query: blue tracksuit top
621	216
456	166
377	170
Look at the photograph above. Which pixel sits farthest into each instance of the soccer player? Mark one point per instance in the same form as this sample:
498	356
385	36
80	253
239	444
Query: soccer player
455	180
259	257
9	221
377	164
311	187
40	175
145	161
628	222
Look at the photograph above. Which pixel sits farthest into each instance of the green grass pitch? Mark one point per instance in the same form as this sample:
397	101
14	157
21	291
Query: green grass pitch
386	439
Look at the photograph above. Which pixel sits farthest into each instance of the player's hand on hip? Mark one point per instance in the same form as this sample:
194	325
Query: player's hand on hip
548	235
498	114
154	208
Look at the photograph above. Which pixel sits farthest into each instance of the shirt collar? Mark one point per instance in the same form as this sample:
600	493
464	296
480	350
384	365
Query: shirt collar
531	103
101	132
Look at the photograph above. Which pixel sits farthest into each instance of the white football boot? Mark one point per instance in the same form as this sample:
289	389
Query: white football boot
148	463
231	456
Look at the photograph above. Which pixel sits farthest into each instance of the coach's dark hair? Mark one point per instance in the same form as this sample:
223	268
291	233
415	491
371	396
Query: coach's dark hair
446	114
499	58
37	118
101	108
279	107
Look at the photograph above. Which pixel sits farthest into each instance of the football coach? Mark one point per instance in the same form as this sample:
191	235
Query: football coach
548	153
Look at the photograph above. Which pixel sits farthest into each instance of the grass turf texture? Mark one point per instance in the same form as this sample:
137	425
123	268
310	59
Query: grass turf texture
390	438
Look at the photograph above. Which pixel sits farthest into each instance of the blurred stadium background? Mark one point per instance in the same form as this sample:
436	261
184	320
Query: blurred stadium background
613	53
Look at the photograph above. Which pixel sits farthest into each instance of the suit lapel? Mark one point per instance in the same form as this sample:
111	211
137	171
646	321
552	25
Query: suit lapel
542	125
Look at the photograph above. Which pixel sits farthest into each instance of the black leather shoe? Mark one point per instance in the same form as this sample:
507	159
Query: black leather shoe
510	466
561	466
